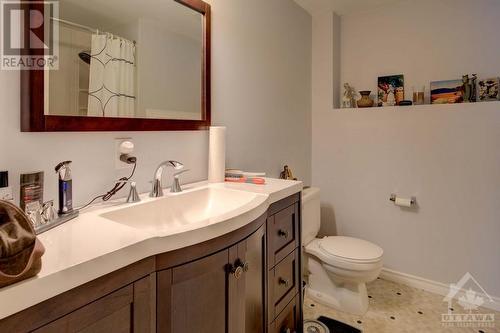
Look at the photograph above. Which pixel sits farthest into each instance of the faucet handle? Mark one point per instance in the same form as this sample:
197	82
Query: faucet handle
133	196
176	186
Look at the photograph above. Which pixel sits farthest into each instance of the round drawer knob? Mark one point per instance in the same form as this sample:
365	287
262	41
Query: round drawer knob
283	233
284	282
238	272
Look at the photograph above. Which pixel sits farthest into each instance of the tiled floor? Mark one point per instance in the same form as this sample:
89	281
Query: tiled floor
396	308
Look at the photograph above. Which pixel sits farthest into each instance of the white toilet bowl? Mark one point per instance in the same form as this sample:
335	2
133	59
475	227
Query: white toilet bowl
337	268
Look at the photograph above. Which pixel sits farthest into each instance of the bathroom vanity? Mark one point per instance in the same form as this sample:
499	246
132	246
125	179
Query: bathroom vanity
215	258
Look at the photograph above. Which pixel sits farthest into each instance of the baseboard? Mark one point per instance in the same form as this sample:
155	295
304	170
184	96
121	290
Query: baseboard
433	286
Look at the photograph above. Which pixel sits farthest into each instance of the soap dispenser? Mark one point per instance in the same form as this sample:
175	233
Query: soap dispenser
65	188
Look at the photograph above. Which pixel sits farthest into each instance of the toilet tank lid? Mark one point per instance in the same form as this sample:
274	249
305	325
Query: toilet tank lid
309	193
351	248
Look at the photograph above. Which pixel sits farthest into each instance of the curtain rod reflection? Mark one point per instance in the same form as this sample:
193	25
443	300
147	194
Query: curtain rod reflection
84	27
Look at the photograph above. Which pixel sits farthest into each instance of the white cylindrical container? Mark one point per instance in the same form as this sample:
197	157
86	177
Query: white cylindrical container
217	154
402	202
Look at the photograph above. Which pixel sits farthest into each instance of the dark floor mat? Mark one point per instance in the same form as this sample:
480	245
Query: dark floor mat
336	326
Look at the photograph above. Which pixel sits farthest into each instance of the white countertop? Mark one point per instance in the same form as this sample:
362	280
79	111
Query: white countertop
91	246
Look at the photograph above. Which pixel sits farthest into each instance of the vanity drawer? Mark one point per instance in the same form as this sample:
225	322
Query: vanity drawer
288	321
282	233
283	282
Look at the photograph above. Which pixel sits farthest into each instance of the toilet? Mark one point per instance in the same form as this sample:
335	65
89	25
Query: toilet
337	268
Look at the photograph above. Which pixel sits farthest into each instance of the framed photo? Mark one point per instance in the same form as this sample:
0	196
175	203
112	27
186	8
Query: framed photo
391	90
489	89
447	92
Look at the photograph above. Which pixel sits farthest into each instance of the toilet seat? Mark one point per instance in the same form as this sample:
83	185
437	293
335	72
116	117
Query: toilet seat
340	254
350	249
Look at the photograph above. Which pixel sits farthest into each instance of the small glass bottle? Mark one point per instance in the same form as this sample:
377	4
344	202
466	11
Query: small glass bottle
421	96
418	96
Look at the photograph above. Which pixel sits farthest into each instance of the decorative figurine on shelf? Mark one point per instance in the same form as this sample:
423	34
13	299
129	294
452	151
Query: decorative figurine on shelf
466	88
365	101
348	100
287	174
489	89
474	87
469	88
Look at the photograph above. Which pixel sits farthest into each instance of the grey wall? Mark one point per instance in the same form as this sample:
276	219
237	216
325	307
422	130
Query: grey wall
394	39
262	86
261	78
447	156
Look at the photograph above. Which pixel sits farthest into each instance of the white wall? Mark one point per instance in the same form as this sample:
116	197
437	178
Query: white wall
265	105
426	40
447	156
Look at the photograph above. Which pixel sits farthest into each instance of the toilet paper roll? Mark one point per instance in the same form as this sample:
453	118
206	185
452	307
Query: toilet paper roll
403	202
217	154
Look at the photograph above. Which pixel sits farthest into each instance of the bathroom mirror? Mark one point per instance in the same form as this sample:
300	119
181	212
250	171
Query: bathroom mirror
122	65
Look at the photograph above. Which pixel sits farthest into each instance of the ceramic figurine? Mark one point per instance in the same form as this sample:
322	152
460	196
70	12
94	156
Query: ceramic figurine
466	88
474	88
287	173
348	100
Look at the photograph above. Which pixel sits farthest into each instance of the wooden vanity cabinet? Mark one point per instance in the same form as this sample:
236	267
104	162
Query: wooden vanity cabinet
247	281
223	292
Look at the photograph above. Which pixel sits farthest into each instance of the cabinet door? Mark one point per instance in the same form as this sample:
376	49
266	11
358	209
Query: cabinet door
192	297
246	291
129	309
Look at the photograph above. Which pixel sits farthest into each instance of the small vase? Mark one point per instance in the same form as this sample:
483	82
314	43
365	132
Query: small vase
365	101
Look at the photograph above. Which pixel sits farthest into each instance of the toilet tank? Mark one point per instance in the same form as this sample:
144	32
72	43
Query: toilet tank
311	215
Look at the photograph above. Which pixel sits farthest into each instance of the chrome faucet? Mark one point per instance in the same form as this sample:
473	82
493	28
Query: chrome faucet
157	190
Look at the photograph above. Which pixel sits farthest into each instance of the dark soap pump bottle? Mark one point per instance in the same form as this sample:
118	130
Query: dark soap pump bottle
65	188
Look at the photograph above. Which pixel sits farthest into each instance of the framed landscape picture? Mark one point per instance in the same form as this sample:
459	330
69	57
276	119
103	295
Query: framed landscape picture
391	90
447	92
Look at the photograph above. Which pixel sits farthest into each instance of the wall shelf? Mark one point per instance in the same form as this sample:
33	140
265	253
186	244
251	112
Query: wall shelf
436	107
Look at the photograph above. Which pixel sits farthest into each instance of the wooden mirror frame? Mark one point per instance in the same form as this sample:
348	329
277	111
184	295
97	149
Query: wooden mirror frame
34	119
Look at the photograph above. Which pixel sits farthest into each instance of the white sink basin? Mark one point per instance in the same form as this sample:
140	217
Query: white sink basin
187	210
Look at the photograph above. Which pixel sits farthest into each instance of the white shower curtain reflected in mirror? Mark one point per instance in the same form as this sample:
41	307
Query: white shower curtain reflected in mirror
112	77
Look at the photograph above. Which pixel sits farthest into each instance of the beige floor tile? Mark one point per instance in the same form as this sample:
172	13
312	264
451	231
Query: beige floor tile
396	308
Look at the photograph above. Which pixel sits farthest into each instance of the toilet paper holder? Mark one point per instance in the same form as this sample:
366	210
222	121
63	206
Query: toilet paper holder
413	200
